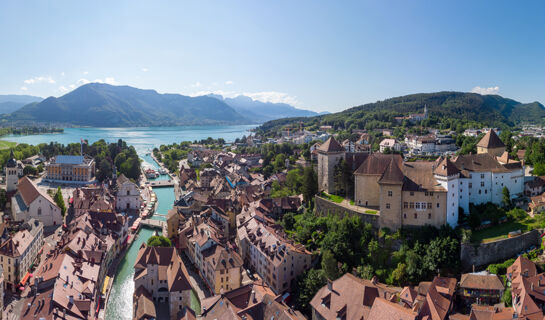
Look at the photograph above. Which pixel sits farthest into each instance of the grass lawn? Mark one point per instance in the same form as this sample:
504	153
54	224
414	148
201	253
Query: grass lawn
7	144
370	211
497	232
332	197
195	303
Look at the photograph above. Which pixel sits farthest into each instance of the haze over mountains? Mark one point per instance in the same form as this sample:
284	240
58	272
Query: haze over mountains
100	105
12	102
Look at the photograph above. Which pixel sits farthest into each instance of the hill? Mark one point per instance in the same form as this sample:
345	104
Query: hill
259	111
446	110
12	102
97	104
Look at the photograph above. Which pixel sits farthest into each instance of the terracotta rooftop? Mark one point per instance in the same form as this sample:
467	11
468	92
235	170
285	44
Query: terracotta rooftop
481	281
331	145
490	140
385	310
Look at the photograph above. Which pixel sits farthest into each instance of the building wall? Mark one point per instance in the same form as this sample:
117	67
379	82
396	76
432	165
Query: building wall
326	165
497	251
128	197
424	209
42	210
493	151
325	207
12	177
366	190
390	206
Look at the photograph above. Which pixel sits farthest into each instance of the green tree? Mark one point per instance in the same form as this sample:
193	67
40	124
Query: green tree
159	241
59	200
329	265
104	170
399	275
30	170
307	285
507	298
3	199
506	198
310	184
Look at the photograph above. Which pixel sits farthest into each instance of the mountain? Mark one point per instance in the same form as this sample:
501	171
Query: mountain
263	111
103	105
449	108
12	102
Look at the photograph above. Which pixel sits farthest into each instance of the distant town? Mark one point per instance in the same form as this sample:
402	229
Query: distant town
434	224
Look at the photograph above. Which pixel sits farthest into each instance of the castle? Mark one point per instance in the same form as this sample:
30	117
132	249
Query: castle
424	192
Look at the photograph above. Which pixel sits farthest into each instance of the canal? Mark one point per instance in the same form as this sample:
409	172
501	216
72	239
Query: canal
120	301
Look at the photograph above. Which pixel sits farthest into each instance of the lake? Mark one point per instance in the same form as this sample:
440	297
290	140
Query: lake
143	139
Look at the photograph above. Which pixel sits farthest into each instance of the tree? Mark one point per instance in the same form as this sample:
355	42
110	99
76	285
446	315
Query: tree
506	198
310	184
159	241
104	170
399	275
307	285
60	201
30	170
3	199
507	297
329	265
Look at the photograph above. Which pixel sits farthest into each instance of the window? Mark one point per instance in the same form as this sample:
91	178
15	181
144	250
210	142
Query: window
426	193
470	185
482	175
429	215
411	205
417	205
429	205
39	211
405	205
482	183
387	206
404	216
416	215
412	193
485	191
431	194
390	193
479	191
437	204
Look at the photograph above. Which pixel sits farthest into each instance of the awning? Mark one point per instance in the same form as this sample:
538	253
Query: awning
105	286
25	279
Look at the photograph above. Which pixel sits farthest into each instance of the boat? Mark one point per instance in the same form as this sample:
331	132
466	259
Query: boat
163	171
151	174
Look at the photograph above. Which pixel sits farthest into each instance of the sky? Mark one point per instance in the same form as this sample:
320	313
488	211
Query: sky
316	55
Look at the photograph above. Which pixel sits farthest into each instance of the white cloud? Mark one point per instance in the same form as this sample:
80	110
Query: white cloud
40	79
85	72
107	80
23	88
229	82
83	81
63	89
485	91
145	69
196	85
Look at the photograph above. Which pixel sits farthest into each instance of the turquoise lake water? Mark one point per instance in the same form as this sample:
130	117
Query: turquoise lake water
142	138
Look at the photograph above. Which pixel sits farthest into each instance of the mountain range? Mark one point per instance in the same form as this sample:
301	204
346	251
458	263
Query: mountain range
489	110
11	102
104	105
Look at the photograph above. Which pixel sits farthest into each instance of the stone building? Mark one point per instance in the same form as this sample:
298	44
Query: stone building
222	268
161	272
13	171
491	144
70	169
31	203
18	253
329	154
128	195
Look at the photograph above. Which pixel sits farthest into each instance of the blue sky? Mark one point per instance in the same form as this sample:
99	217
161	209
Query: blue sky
317	55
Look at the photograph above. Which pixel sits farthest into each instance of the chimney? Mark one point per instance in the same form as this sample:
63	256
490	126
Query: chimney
329	284
252	297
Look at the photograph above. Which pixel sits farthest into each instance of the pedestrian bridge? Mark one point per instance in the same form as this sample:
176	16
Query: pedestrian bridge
157	224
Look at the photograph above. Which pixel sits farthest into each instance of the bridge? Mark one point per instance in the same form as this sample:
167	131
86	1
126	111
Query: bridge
161	183
157	224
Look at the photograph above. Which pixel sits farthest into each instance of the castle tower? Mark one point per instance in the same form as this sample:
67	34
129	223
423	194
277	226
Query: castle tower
491	144
329	154
12	173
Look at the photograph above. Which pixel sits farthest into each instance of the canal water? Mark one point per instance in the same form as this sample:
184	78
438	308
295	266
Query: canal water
120	300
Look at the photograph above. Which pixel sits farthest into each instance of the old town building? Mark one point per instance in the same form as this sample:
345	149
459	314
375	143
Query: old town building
29	202
70	169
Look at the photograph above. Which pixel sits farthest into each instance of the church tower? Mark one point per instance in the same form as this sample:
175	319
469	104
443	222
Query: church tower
12	173
329	154
491	144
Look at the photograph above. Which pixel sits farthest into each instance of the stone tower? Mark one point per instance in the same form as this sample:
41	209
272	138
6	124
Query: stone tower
491	144
13	172
329	154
